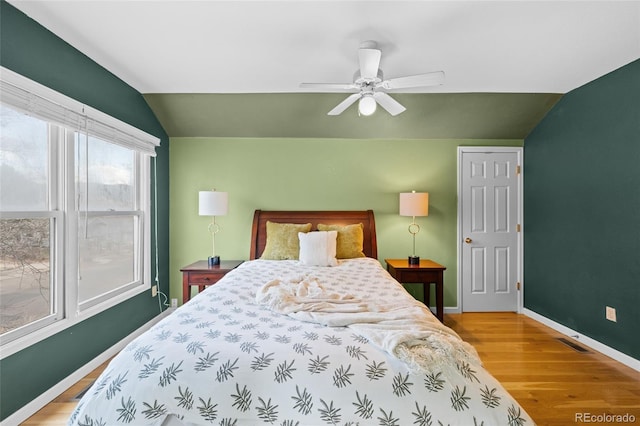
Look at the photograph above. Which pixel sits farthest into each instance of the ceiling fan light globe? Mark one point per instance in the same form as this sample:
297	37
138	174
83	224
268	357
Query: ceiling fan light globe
367	105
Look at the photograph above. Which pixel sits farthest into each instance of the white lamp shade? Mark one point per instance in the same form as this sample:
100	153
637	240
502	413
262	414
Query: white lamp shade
213	203
414	203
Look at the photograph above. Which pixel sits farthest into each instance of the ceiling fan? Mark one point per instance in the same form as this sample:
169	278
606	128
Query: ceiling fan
370	87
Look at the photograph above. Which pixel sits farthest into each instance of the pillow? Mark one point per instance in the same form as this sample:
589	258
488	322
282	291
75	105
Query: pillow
318	248
282	240
350	239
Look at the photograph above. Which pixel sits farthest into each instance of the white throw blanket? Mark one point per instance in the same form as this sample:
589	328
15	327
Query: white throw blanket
303	293
408	333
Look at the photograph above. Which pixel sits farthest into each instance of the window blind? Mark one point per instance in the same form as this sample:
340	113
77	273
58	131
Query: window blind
40	101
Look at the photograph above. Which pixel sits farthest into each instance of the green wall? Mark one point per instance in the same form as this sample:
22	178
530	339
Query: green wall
29	49
451	116
582	211
316	174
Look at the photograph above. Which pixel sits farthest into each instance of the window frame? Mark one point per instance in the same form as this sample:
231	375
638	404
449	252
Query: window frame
64	214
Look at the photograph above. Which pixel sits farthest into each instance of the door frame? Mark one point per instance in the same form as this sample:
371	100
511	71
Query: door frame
520	242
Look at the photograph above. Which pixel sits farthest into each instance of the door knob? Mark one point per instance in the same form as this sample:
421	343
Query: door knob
468	240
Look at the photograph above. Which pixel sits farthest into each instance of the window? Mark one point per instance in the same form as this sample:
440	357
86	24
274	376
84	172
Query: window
109	221
29	224
74	211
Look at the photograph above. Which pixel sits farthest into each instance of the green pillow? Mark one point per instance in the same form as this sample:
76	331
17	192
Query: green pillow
350	239
282	240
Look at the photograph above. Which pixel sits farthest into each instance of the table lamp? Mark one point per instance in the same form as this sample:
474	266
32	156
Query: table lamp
414	204
213	203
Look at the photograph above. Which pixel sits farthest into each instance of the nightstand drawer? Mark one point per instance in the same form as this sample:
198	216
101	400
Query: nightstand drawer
416	276
409	276
201	275
204	278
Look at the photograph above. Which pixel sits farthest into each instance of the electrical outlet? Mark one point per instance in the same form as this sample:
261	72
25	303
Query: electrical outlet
154	290
610	313
174	303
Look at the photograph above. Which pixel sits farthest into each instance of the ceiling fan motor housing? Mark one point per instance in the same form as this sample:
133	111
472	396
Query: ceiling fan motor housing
359	80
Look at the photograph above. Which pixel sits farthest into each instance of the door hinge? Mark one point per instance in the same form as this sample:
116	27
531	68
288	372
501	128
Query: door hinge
518	286
518	227
518	169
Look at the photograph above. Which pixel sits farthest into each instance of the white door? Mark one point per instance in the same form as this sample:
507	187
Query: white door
490	237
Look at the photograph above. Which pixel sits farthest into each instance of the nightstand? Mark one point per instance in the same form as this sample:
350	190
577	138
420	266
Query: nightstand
427	272
201	275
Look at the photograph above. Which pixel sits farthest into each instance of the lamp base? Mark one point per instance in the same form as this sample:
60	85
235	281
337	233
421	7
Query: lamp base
214	260
414	260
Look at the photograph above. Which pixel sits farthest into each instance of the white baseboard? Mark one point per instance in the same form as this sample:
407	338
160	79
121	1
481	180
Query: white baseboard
587	341
31	408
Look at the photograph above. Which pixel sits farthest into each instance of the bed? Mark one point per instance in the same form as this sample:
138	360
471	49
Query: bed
318	339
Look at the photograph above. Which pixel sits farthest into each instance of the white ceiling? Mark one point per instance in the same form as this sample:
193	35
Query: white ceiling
163	46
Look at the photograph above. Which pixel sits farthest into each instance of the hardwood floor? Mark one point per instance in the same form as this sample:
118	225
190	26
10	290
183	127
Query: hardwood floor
57	412
554	383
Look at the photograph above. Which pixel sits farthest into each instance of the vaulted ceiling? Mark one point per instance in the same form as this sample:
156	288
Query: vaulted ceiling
506	62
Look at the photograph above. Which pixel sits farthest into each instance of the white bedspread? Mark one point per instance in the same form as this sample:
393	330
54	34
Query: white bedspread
366	353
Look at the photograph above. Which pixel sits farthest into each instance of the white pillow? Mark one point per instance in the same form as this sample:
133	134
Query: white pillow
318	248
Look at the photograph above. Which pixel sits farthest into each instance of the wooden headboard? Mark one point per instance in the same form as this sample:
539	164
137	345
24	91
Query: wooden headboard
260	218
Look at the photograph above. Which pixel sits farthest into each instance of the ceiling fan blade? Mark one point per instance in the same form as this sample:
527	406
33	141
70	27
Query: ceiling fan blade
369	62
344	104
329	86
419	80
392	106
